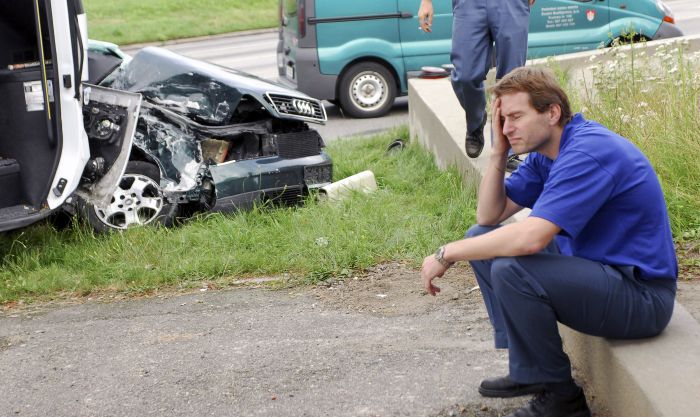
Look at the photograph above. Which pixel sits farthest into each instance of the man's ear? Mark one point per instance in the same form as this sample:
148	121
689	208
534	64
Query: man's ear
554	114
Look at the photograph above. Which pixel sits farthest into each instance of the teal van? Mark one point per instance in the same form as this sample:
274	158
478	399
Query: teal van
359	54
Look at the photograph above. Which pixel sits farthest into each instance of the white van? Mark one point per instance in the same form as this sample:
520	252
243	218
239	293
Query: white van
60	138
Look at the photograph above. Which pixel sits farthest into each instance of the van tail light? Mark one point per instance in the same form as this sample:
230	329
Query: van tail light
301	18
666	11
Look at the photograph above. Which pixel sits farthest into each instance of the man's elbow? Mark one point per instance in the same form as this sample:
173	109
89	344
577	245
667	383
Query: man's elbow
486	221
531	246
534	238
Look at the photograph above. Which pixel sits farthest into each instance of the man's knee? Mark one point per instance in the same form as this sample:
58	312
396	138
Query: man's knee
504	273
477	230
467	78
510	278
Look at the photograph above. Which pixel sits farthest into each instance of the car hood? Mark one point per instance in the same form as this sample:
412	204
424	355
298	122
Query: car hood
212	92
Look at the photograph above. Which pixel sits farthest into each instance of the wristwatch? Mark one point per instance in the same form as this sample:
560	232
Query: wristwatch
440	257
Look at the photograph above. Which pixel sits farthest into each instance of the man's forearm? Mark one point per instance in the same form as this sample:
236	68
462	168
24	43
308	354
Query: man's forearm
515	239
492	192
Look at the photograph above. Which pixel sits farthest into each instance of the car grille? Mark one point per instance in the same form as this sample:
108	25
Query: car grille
298	108
298	144
289	196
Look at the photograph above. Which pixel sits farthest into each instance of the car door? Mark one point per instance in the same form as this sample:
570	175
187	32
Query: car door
422	48
69	53
565	26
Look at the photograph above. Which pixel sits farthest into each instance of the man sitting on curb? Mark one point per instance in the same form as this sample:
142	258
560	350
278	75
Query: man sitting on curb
596	252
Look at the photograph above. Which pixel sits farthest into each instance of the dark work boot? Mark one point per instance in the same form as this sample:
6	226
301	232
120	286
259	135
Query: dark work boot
474	142
551	404
504	387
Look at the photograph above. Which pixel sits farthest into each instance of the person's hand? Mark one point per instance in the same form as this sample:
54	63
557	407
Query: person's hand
425	15
532	2
430	270
500	142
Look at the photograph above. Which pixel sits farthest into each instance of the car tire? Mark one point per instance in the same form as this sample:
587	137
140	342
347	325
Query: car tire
367	89
138	200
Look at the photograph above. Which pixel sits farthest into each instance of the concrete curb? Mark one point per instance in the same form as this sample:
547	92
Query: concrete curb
640	378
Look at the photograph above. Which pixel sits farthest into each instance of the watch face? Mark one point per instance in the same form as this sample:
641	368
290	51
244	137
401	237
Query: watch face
439	254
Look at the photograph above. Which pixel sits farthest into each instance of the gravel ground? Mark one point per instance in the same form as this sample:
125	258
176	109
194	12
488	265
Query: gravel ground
371	345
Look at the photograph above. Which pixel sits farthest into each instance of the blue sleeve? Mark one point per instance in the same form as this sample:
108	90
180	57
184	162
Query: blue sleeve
576	189
525	184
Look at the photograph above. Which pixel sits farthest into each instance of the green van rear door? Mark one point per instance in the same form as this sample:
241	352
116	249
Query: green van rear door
426	49
348	30
566	26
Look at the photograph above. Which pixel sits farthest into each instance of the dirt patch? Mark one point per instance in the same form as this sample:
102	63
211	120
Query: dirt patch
395	289
688	254
473	411
688	295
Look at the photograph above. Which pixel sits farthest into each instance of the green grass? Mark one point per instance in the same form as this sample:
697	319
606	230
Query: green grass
133	21
416	208
652	99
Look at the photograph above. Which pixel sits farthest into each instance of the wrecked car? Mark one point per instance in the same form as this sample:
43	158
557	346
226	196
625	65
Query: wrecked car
46	145
207	138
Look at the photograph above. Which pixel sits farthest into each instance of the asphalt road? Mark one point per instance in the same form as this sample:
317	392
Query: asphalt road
687	13
365	348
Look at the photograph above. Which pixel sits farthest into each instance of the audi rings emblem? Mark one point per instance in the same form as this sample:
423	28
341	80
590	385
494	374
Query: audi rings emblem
303	107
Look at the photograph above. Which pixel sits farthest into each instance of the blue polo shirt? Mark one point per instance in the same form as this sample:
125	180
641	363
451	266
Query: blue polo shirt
604	195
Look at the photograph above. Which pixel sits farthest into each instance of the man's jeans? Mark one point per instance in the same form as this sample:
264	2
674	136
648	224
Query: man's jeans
526	296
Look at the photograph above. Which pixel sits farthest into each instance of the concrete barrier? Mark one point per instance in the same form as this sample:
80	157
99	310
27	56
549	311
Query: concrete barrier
641	378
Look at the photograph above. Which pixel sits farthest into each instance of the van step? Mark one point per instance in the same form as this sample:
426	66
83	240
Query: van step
8	166
16	212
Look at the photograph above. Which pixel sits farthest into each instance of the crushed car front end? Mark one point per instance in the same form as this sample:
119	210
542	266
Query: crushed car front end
223	139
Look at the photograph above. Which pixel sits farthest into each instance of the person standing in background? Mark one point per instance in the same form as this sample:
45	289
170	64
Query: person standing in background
477	25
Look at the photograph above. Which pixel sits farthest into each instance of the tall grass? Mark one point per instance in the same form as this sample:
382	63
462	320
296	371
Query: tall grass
653	100
131	21
416	208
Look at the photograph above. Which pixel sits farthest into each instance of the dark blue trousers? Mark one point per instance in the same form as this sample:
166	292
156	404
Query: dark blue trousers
476	25
526	296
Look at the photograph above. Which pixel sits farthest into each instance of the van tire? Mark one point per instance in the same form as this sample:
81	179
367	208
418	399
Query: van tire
140	183
367	89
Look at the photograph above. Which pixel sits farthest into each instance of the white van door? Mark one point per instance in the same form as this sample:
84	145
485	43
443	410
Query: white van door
69	60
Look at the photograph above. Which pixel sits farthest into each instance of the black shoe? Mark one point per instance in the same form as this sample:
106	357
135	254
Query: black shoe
550	404
504	387
474	142
513	163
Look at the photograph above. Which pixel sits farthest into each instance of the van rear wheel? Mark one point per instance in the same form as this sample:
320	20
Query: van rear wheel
367	89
